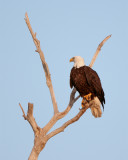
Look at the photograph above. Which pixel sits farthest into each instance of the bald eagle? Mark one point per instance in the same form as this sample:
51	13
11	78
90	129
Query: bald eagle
88	84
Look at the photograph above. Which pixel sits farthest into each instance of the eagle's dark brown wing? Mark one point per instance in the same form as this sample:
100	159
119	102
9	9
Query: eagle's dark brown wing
95	83
71	83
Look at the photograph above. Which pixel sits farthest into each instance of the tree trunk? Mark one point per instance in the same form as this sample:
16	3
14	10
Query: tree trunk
34	154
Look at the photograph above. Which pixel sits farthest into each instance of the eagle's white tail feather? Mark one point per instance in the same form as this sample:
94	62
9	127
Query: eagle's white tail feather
95	107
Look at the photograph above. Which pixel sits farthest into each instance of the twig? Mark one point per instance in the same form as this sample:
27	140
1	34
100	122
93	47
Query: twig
98	50
25	117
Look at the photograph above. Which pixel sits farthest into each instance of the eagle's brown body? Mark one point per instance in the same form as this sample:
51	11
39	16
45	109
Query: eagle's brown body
86	81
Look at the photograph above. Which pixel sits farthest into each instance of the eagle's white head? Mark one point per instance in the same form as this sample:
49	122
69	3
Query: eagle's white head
78	61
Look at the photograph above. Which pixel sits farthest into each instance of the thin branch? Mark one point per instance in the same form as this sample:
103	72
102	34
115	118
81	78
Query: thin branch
25	117
98	50
76	98
45	66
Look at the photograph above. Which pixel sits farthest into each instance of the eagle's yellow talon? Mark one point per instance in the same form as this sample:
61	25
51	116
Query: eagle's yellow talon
83	103
88	97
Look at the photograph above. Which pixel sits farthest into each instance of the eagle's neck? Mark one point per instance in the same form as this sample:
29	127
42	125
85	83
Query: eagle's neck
79	64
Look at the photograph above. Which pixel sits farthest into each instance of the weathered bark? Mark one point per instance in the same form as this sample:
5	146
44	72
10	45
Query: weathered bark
39	144
41	136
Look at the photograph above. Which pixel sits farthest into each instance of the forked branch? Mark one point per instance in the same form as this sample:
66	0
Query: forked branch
66	124
30	118
60	115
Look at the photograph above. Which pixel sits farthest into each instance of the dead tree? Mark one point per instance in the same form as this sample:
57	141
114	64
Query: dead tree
41	135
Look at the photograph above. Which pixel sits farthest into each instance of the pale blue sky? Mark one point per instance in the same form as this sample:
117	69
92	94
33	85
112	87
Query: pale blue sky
65	29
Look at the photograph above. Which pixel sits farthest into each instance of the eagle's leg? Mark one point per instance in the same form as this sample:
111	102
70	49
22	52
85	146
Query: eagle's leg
86	100
88	97
83	102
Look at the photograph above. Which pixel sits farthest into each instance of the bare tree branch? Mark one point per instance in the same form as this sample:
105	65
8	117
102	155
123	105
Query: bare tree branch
98	50
45	66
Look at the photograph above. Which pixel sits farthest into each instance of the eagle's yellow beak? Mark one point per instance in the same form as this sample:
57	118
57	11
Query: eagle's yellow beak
72	59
